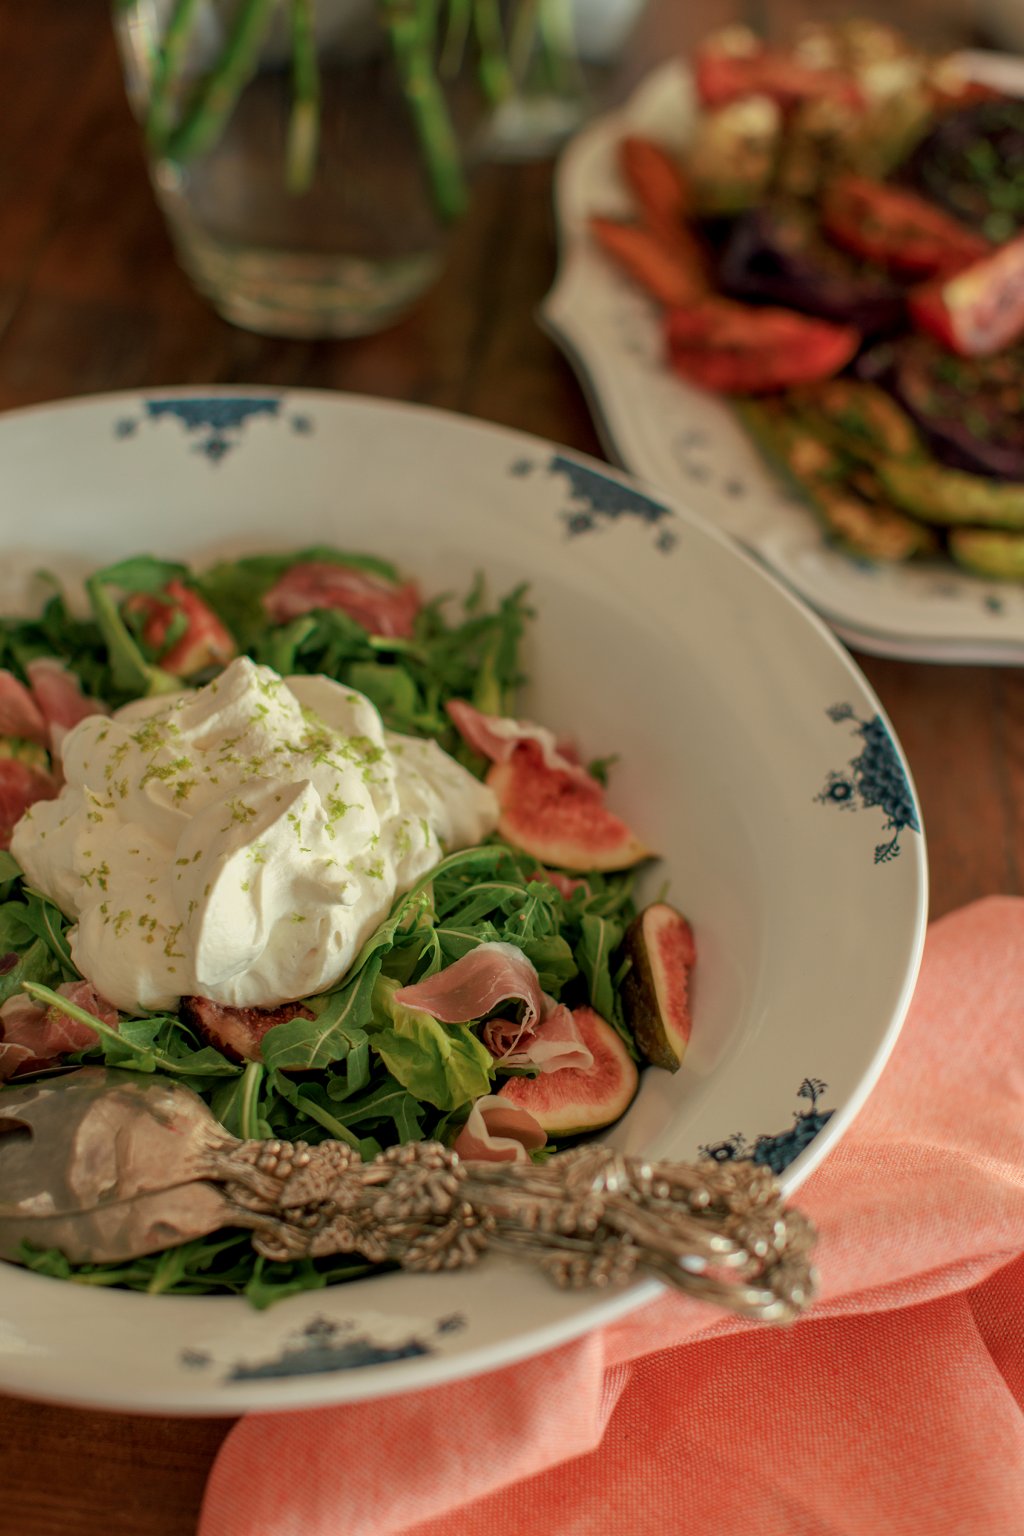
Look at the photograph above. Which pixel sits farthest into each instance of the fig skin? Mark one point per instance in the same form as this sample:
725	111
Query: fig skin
655	991
581	1100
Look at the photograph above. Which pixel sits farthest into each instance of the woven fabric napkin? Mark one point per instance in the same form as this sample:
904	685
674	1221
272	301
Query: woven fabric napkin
894	1408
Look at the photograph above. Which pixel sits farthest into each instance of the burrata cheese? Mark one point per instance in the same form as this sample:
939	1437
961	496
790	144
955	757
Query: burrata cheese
241	841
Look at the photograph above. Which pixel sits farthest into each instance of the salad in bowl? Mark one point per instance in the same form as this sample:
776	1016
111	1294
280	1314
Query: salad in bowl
277	851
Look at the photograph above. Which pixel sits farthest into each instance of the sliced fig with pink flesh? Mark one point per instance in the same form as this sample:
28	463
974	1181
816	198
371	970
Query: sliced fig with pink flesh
574	1100
559	819
656	989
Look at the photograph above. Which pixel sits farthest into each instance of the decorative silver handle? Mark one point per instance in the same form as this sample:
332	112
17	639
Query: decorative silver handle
110	1165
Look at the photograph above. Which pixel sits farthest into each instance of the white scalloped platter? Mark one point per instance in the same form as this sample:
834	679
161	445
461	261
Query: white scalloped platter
752	754
689	444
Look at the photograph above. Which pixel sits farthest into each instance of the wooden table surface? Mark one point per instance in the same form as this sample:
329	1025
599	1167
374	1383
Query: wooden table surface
91	299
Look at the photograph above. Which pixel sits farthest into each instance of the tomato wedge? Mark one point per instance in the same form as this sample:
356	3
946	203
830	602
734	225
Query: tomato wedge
671	271
897	228
722	76
980	310
739	350
657	182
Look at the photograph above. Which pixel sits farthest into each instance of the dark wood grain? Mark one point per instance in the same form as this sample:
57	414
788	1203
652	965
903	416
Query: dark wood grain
91	299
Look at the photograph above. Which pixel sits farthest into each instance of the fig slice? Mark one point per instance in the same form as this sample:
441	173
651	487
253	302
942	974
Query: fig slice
576	1099
655	991
558	818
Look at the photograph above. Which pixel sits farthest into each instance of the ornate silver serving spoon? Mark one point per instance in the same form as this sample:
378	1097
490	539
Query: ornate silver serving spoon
108	1166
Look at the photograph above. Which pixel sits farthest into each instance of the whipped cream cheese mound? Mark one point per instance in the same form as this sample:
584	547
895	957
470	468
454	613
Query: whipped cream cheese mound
240	842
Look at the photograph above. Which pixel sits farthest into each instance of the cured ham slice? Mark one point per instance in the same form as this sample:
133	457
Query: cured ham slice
21	785
237	1032
472	987
498	1132
60	698
20	715
497	736
382	607
33	1037
552	1045
543	1035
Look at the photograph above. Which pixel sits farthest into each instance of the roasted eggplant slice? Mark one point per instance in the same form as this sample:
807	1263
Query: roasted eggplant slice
970	410
774	255
972	163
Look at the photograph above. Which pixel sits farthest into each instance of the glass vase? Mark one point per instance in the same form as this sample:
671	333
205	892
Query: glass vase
304	152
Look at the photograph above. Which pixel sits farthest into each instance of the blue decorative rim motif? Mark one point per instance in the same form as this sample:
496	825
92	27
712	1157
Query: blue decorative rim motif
215	422
875	777
597	500
777	1151
325	1345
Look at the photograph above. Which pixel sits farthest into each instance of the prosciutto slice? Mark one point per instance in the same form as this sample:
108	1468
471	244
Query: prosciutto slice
237	1032
544	1034
33	1037
21	785
497	736
382	607
60	699
498	1132
553	1044
472	987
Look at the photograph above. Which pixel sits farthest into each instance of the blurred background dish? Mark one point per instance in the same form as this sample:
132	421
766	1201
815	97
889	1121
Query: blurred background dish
678	435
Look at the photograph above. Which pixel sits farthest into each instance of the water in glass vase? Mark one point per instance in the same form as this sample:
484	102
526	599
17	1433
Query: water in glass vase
307	176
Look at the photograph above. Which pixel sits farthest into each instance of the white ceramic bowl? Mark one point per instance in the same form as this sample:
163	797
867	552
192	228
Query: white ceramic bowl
753	755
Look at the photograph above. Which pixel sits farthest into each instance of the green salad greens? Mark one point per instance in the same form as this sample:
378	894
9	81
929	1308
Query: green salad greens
364	1069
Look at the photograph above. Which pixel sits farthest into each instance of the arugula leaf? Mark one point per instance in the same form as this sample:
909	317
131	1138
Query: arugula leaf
236	1104
139	1044
442	1064
15	932
552	959
55	632
33	964
44	918
141	573
388	687
301	1044
10	874
310	1101
130	672
600	936
389	1102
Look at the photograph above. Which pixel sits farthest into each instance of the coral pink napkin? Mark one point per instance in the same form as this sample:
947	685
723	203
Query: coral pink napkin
895	1408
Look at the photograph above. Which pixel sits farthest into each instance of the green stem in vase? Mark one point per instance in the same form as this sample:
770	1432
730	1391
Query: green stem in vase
166	73
523	40
456	36
557	39
495	75
217	97
413	49
304	122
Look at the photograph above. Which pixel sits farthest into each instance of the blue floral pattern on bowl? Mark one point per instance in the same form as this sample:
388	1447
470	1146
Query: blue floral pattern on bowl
779	1150
875	777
